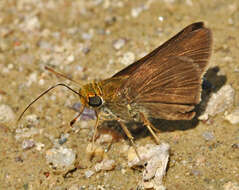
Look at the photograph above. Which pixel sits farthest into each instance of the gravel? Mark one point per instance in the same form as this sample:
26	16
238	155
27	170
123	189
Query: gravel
6	114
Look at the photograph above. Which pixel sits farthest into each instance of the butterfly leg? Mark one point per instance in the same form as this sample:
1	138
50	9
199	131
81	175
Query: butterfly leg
79	114
150	127
129	135
95	129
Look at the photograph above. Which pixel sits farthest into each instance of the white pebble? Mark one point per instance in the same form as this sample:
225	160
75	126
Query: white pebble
89	173
233	117
160	18
70	58
32	119
127	58
86	36
156	157
27	144
219	102
27	132
10	66
31	24
39	146
60	157
105	165
118	44
6	113
32	78
41	82
135	12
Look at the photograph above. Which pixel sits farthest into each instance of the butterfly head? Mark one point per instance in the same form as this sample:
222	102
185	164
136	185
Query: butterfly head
91	95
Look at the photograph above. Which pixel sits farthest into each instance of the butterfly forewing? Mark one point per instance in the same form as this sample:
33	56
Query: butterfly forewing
170	76
176	81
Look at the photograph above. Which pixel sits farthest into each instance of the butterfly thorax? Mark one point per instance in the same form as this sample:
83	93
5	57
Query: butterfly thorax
107	99
117	105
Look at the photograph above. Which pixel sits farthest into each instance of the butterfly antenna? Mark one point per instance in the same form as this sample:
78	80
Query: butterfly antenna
42	94
60	74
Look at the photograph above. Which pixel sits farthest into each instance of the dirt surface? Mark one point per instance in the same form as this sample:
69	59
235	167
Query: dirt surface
81	39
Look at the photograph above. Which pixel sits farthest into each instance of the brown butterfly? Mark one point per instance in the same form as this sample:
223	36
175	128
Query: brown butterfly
164	84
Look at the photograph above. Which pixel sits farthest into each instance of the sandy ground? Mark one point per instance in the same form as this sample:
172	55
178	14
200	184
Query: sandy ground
79	38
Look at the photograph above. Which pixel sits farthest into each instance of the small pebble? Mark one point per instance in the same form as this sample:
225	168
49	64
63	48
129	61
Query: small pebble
118	44
123	171
86	50
60	157
160	18
208	135
233	117
27	144
136	11
27	132
39	146
105	165
32	119
86	36
41	82
6	114
196	172
127	58
63	138
31	23
89	173
70	58
219	102
110	20
32	78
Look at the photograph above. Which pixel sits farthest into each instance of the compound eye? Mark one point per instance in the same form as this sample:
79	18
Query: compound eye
95	101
